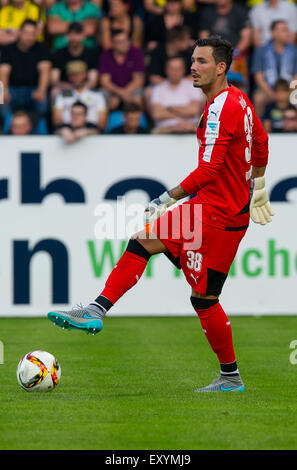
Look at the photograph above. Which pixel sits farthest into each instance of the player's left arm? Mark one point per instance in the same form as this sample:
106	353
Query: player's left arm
260	208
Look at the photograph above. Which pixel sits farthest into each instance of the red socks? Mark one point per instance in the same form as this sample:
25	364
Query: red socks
216	327
126	272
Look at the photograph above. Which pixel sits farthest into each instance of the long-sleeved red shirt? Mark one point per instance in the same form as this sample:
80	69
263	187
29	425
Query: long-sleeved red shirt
231	138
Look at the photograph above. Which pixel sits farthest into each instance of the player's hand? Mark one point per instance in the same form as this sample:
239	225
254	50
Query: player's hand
260	208
155	209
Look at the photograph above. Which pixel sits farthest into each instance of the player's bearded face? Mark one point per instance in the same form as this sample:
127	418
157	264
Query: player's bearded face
203	68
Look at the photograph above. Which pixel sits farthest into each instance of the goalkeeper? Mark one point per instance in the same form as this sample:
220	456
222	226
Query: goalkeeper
201	235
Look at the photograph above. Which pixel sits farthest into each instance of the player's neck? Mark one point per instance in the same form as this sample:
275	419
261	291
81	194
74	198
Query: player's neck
212	90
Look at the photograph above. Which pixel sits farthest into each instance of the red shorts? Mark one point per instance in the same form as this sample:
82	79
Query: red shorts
204	253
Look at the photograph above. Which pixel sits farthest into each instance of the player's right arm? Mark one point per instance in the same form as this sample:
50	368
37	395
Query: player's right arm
209	165
159	206
156	208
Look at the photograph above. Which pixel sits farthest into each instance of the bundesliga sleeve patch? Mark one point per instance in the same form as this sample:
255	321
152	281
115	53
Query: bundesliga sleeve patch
212	129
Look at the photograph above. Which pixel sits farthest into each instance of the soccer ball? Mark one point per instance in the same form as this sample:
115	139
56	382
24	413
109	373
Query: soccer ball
38	371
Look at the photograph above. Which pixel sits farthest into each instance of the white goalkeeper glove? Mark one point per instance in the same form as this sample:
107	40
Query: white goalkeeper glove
260	208
155	209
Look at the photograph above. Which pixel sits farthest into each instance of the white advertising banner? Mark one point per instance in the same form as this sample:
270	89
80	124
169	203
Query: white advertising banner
58	201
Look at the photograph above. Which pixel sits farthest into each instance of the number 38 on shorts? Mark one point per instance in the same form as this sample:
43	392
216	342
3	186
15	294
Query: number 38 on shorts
194	261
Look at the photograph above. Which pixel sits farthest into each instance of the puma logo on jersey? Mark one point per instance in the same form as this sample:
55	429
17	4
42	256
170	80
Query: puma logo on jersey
215	113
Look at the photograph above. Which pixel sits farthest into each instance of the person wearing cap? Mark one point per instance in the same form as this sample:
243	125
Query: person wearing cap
67	11
75	50
77	74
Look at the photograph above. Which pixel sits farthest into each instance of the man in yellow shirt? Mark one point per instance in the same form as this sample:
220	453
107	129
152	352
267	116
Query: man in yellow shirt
13	15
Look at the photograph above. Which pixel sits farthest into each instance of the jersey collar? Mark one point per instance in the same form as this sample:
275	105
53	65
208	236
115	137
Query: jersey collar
222	91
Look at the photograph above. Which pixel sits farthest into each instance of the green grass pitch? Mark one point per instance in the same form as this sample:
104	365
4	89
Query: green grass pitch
132	387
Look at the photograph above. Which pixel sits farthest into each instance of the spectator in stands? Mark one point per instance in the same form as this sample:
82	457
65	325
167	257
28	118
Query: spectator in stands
13	15
178	42
132	115
21	123
273	115
277	59
65	12
290	119
175	104
78	126
174	15
263	15
156	7
120	16
122	71
75	50
94	100
230	21
25	72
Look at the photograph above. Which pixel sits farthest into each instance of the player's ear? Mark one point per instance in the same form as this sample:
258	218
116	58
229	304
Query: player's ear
221	68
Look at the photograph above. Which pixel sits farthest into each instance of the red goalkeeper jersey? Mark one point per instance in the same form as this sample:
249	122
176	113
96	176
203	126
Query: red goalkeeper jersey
231	138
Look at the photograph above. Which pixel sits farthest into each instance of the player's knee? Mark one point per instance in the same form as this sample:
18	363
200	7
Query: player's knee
204	296
203	303
152	245
134	246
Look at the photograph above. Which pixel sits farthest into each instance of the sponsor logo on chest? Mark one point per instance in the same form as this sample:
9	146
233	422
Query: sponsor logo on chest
212	129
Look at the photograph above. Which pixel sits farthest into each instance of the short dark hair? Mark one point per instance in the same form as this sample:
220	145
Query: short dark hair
275	23
174	57
222	50
28	22
126	2
281	84
178	32
22	113
76	27
81	105
132	108
116	32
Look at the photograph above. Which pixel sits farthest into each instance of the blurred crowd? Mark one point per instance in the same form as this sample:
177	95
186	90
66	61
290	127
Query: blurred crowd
84	67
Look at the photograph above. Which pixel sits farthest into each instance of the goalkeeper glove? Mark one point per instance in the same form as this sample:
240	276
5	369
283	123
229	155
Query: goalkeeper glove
155	209
260	208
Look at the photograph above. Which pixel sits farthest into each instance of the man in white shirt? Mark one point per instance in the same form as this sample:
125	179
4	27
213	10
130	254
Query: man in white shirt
175	104
94	100
263	15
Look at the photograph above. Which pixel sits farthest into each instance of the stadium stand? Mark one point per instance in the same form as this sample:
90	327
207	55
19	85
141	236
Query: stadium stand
121	48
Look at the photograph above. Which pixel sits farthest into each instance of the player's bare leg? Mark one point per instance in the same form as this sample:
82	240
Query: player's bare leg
217	329
123	277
